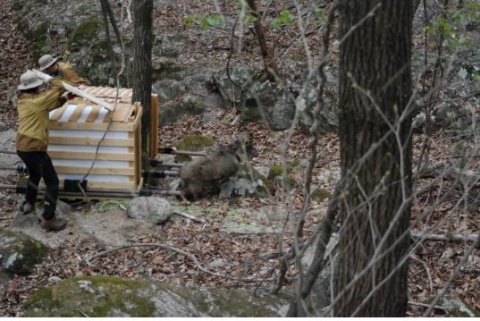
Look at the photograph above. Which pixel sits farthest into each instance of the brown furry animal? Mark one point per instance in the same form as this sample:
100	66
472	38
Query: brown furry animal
204	175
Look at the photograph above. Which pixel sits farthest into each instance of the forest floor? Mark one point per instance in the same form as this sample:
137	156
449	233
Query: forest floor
431	265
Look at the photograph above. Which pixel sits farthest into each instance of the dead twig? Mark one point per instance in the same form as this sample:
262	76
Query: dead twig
424	305
190	217
427	270
82	313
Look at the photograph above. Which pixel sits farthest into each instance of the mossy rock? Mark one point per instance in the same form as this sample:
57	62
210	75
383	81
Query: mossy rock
182	158
194	143
17	4
275	174
175	109
167	69
320	195
106	296
258	184
4	277
99	51
277	169
250	111
20	253
84	33
40	40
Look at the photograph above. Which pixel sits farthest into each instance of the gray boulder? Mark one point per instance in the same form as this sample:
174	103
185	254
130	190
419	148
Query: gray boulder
231	85
272	102
19	253
123	297
153	209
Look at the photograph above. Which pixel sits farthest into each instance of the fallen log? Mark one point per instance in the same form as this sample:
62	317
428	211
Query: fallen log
457	237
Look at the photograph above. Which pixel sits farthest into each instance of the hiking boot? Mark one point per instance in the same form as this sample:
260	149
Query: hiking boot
26	208
53	224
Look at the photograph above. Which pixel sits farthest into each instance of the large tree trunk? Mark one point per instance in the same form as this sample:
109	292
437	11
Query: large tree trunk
374	92
142	65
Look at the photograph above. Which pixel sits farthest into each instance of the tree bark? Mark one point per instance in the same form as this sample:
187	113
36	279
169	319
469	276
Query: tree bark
105	7
142	66
375	88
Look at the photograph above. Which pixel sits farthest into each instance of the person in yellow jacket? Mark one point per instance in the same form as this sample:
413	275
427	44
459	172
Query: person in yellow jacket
55	68
34	104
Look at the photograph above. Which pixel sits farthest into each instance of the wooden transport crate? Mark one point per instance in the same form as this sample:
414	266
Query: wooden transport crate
89	142
125	96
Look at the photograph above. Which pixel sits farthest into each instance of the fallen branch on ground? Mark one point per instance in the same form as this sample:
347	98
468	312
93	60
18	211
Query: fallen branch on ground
190	217
449	172
424	305
169	247
446	237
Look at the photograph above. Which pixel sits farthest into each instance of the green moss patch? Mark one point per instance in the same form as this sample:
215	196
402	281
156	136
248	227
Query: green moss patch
92	296
320	195
20	253
108	296
84	33
40	41
194	143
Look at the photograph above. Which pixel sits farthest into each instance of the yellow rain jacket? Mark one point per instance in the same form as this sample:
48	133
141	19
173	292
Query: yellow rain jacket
33	109
66	72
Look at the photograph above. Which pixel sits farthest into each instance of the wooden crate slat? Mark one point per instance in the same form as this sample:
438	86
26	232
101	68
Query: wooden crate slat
91	156
102	91
77	101
88	141
58	112
153	127
87	96
94	170
78	112
107	186
108	91
92	90
93	114
122	114
120	127
104	186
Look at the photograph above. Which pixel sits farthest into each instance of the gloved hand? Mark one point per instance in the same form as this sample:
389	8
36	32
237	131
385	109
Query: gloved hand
71	96
42	75
62	100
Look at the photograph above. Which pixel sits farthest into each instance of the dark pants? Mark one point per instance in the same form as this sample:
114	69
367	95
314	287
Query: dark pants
40	165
